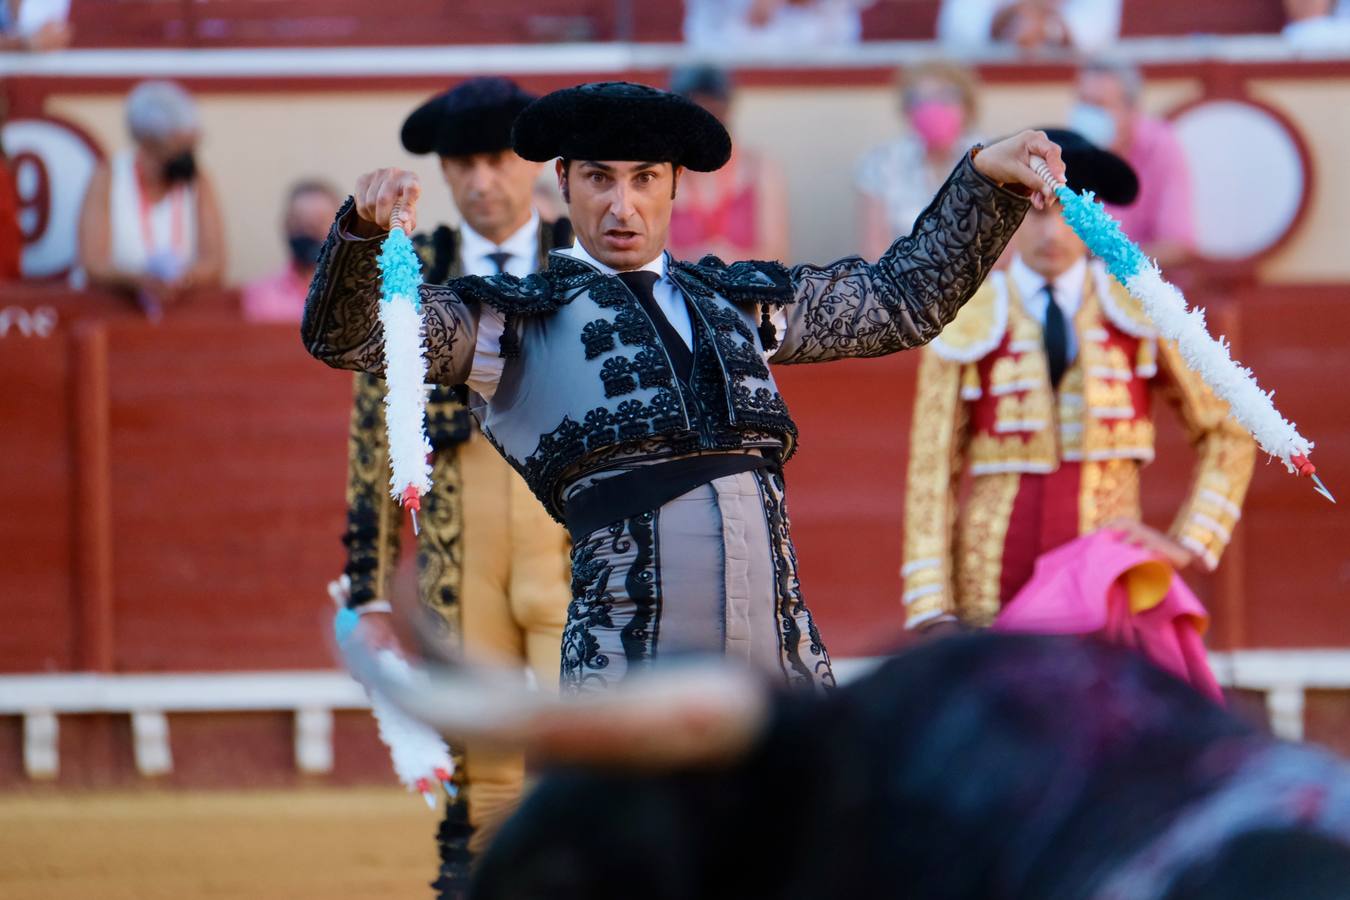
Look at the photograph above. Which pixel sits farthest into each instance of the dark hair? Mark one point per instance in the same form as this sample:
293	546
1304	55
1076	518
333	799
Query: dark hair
701	80
310	186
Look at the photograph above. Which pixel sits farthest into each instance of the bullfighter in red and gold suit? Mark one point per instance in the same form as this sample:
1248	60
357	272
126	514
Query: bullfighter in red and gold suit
1042	391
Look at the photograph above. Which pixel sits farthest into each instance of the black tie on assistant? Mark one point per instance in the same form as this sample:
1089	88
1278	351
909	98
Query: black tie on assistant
642	283
1056	338
499	259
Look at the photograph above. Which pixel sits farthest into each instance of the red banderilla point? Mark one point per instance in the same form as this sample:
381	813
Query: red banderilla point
441	774
423	785
1302	465
411	499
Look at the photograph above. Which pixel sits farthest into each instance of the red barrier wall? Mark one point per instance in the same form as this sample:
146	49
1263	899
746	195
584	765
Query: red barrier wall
173	493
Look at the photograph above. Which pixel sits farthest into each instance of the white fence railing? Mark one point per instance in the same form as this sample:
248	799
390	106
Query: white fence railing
312	697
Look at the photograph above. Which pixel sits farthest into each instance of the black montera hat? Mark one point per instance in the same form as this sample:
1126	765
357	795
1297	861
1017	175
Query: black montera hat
618	120
473	117
1090	168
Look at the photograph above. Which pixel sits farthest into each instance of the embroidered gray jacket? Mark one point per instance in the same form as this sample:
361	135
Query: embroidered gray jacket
585	371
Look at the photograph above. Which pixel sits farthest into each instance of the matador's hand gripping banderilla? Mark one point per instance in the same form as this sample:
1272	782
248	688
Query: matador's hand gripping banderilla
405	367
1252	407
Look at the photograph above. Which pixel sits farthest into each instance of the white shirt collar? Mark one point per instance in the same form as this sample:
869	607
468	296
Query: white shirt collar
578	252
1068	287
523	245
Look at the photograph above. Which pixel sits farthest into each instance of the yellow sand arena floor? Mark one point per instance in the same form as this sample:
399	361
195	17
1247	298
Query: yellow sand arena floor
289	845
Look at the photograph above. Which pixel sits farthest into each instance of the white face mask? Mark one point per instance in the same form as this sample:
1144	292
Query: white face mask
1094	123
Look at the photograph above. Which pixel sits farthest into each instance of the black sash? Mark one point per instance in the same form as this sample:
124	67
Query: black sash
650	487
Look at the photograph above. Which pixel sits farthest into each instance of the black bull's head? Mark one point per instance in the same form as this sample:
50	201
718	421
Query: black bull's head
979	766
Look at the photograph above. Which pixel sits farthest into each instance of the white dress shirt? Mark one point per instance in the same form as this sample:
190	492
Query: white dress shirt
523	245
1068	290
667	295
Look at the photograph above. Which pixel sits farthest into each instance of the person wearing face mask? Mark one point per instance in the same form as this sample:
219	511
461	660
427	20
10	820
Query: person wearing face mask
1041	392
280	297
895	181
491	563
150	225
1109	113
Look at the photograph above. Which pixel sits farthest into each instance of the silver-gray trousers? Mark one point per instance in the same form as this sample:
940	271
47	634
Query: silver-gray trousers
712	571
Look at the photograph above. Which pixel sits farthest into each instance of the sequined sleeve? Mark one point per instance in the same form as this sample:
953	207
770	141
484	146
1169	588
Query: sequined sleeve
854	308
936	444
1226	455
341	325
372	533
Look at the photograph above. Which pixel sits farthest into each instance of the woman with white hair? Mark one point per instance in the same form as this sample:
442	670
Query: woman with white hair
150	223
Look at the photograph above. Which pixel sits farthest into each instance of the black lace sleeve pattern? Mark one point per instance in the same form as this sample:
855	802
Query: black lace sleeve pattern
341	326
853	308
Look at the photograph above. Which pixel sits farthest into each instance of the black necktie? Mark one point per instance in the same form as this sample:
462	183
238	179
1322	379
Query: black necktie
641	284
1056	338
499	260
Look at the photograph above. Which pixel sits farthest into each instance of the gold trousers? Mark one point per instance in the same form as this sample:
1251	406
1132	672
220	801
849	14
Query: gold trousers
513	605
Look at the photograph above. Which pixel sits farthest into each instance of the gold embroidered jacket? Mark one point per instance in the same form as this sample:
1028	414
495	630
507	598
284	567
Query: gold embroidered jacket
985	407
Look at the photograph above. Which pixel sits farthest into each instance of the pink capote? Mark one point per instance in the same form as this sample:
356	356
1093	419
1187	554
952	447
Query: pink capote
1100	584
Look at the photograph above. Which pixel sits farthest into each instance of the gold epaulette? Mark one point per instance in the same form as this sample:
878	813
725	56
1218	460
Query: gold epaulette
979	327
1122	309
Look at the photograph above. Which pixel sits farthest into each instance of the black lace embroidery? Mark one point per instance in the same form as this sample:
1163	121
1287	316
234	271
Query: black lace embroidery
634	330
571	441
851	308
595	606
650	367
592	607
727	355
597	337
750	282
740	355
616	373
609	293
792	611
639	635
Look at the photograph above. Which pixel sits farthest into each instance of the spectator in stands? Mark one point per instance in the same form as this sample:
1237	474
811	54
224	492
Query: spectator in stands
939	105
739	211
767	25
1086	26
32	29
310	207
1108	112
151	224
1317	24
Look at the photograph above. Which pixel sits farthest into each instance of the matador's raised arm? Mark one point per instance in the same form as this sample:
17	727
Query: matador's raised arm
853	308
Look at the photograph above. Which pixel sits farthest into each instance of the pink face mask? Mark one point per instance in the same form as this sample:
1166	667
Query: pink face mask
937	122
